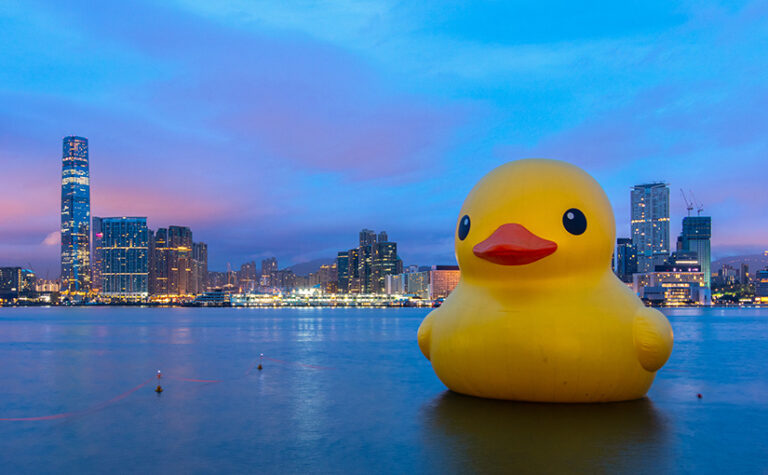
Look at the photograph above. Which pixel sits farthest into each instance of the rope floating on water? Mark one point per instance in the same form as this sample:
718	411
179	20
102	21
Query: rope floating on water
159	375
64	415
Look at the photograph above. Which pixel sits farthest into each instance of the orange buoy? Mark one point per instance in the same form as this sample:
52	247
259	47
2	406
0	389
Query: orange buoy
158	389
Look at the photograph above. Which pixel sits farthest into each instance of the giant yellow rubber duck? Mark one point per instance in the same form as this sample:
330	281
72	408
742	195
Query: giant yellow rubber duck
538	315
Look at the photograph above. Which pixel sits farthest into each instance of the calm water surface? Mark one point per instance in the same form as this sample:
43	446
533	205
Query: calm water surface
347	390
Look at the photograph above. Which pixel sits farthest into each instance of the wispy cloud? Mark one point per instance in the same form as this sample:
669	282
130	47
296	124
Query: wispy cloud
283	127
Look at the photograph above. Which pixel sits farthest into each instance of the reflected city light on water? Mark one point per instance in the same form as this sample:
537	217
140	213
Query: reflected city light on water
348	390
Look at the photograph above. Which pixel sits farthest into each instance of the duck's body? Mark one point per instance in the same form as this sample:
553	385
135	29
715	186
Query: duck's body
523	331
580	344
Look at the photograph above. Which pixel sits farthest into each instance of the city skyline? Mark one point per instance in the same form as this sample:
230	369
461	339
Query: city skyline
307	131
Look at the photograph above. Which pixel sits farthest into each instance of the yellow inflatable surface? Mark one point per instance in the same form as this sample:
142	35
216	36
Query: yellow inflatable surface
538	315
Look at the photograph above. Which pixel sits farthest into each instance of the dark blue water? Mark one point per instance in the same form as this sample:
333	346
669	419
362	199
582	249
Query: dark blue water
350	393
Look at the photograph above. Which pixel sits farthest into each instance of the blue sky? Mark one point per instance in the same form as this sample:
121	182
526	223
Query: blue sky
282	128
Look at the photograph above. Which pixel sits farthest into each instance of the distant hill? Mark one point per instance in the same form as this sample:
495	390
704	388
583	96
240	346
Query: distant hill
305	268
754	261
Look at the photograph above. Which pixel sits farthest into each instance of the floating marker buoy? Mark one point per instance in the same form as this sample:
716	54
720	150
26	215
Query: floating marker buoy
259	367
261	357
159	374
158	389
699	396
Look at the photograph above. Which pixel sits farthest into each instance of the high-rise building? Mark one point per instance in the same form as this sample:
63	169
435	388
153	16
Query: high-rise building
650	224
365	267
727	275
325	279
159	263
744	273
200	259
761	286
432	283
284	280
75	217
442	281
16	282
697	231
626	259
268	269
417	283
247	277
96	257
124	254
179	266
395	284
385	262
342	266
180	281
367	237
355	285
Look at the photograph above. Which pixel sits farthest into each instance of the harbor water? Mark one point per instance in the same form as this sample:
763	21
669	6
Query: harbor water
348	391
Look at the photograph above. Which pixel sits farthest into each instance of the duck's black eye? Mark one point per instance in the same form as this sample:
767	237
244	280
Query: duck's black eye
574	221
464	227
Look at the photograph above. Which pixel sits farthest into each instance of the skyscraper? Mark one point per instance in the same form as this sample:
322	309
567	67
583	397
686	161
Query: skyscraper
626	259
124	254
697	230
342	266
16	282
268	269
385	262
650	224
179	266
96	257
180	281
75	217
365	267
200	258
367	237
159	263
248	278
353	273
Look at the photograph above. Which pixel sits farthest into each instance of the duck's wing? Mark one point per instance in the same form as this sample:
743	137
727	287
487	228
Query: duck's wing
425	333
653	338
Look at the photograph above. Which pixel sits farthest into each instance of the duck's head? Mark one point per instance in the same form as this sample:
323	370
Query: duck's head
533	219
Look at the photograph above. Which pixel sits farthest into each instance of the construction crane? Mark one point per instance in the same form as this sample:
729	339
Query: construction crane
699	206
688	204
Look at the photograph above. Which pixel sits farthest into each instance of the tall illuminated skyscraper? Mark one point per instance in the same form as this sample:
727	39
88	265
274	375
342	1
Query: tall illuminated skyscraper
697	230
385	262
123	250
75	217
650	224
342	268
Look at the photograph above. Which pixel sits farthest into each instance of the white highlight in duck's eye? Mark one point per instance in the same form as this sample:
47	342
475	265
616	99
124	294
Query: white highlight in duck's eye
570	215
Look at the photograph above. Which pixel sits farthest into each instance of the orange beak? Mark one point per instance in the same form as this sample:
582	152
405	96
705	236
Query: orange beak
513	245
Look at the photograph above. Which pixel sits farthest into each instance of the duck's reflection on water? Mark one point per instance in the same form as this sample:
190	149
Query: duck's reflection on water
468	434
